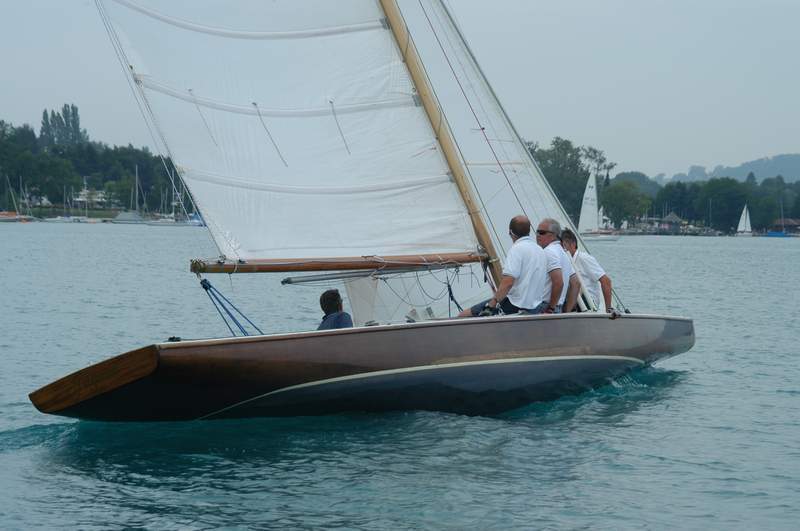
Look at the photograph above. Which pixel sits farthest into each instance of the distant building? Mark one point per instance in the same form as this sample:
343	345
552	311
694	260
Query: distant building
791	225
671	224
88	198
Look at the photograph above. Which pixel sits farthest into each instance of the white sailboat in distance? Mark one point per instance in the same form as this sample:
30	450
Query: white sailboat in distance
744	228
590	221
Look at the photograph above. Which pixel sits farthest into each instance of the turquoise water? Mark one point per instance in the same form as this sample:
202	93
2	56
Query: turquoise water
710	439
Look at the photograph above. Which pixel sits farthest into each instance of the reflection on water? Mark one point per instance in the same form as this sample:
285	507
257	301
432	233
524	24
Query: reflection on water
328	470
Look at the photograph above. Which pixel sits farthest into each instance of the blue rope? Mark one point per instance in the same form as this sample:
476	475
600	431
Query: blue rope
214	302
220	301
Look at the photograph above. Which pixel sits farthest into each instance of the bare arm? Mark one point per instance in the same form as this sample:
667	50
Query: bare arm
573	290
502	290
557	283
605	286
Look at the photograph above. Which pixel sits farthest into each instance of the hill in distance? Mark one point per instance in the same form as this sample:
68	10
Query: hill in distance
787	165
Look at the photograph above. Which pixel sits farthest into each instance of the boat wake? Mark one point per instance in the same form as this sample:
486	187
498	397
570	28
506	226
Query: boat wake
626	393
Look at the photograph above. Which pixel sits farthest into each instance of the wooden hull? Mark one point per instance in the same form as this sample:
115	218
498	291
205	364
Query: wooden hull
471	366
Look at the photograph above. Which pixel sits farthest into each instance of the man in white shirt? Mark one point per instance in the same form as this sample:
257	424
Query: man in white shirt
522	287
565	293
592	275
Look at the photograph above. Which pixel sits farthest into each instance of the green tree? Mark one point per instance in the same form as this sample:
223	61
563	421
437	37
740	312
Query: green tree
645	185
564	168
722	201
622	201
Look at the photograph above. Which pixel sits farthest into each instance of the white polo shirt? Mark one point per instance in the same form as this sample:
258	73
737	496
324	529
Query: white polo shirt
557	258
526	263
590	272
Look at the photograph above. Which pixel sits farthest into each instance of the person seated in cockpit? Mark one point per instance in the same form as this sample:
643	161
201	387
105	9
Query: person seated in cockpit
335	316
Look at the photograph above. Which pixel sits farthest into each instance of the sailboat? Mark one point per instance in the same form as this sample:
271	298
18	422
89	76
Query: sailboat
355	142
779	233
132	216
744	228
590	222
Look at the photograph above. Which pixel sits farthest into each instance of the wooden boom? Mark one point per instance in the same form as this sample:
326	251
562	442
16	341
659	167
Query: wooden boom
280	265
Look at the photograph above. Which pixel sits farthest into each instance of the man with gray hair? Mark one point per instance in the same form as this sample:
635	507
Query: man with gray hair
562	295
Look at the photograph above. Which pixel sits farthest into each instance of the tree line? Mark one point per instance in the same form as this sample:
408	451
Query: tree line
629	196
58	160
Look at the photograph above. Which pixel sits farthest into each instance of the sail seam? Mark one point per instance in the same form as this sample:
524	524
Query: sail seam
253	35
317	190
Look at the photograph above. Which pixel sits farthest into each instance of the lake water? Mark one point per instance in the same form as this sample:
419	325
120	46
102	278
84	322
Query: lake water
709	439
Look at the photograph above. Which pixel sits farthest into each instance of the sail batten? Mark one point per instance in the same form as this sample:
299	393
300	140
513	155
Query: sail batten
244	34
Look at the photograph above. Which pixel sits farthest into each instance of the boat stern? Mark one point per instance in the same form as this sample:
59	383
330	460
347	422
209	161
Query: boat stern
59	397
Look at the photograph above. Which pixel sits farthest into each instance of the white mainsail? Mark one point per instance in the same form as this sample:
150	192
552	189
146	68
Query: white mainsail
298	130
590	218
744	227
295	127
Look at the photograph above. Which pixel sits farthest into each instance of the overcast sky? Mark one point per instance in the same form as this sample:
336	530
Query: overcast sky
657	84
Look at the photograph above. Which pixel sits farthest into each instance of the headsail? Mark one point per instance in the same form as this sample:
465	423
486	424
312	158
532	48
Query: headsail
504	177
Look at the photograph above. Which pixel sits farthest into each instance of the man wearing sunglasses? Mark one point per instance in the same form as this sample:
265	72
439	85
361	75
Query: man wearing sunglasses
562	293
522	287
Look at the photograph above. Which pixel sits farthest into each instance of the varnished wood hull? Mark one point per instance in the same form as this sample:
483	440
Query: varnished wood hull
471	366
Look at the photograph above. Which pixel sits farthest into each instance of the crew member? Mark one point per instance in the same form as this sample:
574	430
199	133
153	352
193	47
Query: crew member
564	294
593	276
522	286
335	316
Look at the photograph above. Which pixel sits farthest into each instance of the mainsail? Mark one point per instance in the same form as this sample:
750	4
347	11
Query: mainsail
300	133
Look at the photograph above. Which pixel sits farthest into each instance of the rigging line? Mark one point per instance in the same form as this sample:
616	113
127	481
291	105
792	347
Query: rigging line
119	52
264	124
538	191
338	126
527	152
480	102
469	104
422	288
213	302
488	117
446	123
194	98
149	117
219	293
403	298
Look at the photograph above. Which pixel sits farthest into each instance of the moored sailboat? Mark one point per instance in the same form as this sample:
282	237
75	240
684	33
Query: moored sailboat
384	161
591	220
744	228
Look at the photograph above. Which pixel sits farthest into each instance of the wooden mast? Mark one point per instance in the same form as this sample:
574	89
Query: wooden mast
440	128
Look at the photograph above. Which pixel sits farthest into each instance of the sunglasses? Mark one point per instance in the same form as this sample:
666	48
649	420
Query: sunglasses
543	232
